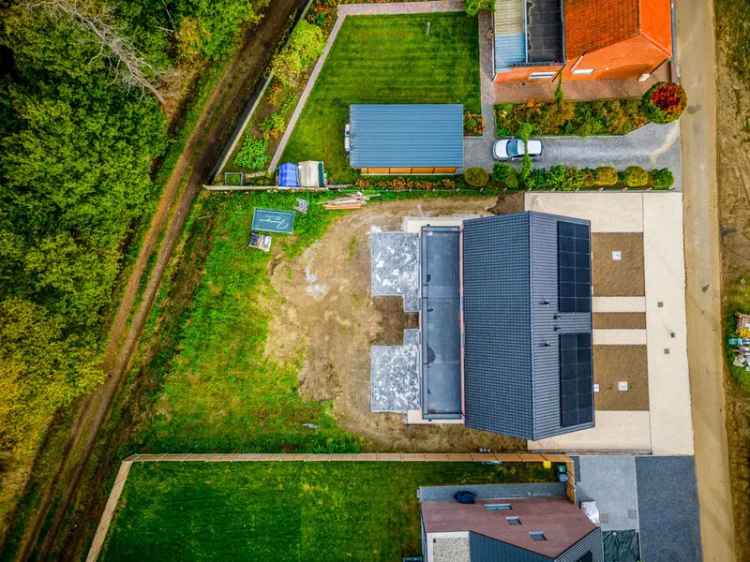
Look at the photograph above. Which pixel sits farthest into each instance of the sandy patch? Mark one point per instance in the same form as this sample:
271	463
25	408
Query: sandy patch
328	314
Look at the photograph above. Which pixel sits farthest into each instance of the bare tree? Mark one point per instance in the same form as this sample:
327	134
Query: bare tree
134	68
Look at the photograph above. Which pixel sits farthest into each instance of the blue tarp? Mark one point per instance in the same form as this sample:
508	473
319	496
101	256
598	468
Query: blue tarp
288	176
269	220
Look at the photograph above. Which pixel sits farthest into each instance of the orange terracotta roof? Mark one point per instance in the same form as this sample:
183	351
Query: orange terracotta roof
595	24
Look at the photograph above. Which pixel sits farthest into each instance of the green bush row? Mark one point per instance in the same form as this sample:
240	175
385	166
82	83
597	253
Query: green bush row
570	178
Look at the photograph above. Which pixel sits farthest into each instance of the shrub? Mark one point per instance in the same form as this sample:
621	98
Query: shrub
474	6
304	46
587	178
506	175
664	102
661	178
635	176
253	155
273	126
473	125
476	177
536	179
605	176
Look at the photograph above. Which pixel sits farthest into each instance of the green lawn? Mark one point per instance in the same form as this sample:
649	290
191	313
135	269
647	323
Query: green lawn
284	511
220	393
431	58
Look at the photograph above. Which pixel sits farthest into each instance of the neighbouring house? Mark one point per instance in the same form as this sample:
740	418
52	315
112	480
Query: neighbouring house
582	39
406	139
521	522
505	326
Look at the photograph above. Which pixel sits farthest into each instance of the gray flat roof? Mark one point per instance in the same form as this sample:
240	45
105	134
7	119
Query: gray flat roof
494	491
440	320
398	135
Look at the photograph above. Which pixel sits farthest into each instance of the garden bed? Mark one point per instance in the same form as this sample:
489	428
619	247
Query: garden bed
662	103
285	510
581	118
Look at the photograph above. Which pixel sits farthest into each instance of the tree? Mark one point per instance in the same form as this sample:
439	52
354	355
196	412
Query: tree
303	48
95	19
473	7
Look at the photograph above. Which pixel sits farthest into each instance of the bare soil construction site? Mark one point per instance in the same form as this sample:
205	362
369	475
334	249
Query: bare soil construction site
328	315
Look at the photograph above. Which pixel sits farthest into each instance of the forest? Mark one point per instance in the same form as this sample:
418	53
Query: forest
91	93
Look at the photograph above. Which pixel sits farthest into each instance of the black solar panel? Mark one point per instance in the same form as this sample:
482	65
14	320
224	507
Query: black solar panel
576	380
573	267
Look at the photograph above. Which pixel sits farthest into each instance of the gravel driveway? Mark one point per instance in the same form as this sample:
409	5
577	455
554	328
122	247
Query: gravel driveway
651	146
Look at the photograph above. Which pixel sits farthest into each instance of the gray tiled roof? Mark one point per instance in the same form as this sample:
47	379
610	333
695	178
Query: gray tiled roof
512	325
399	135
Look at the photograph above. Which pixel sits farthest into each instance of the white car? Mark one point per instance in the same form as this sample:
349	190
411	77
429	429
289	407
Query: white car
513	149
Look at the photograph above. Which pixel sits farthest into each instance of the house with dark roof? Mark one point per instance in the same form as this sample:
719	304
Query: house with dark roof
580	39
523	522
505	327
385	139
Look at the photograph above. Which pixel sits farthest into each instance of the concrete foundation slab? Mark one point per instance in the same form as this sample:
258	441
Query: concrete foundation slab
395	267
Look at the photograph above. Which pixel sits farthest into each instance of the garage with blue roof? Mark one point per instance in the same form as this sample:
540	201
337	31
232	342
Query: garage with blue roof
406	139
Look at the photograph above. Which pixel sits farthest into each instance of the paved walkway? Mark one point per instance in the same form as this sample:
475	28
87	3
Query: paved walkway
343	11
703	289
651	146
477	149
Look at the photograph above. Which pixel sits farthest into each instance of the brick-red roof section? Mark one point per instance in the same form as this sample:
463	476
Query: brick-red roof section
594	24
561	521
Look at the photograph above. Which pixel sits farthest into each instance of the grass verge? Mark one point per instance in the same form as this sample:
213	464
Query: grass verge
220	392
284	510
431	58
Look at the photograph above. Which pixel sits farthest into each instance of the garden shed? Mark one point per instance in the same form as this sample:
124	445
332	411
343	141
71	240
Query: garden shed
406	138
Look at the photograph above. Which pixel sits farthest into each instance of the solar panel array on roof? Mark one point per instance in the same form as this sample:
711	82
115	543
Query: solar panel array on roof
576	380
574	267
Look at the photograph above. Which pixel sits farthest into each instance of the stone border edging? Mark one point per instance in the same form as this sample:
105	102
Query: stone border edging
97	544
355	457
109	511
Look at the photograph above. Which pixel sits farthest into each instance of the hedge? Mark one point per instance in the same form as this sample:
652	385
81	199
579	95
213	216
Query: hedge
570	178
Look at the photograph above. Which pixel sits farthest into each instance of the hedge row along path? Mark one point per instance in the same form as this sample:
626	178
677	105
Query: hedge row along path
201	152
122	475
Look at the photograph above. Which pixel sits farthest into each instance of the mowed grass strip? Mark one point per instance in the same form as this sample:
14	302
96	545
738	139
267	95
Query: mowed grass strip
431	58
220	393
284	511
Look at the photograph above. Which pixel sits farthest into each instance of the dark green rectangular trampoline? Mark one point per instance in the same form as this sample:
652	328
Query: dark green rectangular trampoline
268	220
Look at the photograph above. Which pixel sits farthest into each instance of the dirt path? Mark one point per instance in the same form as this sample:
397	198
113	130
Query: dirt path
329	285
202	150
734	199
703	278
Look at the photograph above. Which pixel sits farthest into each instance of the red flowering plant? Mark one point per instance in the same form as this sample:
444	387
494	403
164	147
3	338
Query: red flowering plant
664	102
